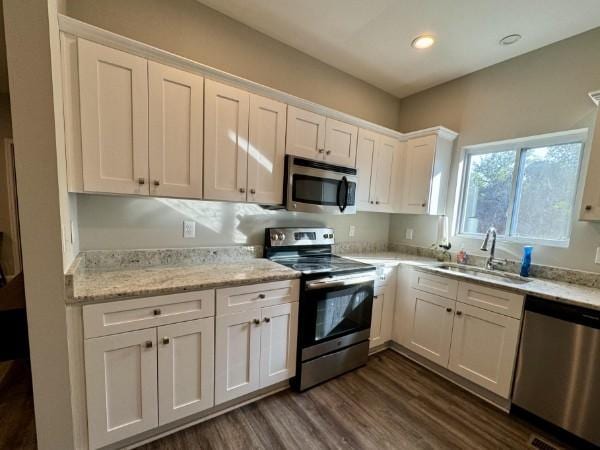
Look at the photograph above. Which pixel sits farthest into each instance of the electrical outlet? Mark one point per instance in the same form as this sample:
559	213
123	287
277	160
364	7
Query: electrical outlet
598	255
409	234
352	231
189	229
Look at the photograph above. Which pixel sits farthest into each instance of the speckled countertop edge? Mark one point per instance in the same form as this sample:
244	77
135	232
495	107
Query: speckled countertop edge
559	291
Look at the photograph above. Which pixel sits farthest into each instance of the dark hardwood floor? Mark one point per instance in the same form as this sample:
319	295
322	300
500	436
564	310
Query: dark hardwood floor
392	403
17	425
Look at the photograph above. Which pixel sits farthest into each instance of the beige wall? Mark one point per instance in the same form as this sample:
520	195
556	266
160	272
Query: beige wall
107	222
540	92
190	29
6	256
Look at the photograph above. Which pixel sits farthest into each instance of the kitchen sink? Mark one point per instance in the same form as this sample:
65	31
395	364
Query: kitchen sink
485	273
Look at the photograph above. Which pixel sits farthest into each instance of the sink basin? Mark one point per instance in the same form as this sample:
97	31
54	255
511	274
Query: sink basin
485	274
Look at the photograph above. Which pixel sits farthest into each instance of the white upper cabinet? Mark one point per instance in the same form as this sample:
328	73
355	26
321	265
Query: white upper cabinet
378	160
590	205
305	134
114	119
225	142
175	131
266	152
340	143
427	173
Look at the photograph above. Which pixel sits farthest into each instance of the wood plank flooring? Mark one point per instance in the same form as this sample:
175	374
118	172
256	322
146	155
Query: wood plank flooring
17	425
392	403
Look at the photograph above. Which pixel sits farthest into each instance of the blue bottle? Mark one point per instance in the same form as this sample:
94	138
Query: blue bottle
526	261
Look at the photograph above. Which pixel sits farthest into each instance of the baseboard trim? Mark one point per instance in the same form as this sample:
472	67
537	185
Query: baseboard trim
491	398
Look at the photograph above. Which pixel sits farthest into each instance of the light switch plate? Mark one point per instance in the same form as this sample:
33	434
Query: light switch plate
409	234
598	255
352	231
189	229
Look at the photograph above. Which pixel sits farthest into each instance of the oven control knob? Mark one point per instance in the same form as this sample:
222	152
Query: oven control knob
325	236
281	237
331	236
275	237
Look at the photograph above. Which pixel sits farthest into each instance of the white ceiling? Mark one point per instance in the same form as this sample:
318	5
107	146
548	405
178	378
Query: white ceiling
370	39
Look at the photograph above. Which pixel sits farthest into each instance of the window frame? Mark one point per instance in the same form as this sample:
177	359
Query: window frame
518	145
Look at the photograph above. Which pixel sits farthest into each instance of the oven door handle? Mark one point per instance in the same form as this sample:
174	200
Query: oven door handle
325	283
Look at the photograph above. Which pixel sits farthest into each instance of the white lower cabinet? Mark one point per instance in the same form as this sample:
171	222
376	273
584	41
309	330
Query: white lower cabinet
430	326
483	348
278	338
121	386
382	316
185	369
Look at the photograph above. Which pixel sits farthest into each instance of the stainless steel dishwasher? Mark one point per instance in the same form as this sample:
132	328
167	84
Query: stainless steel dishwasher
558	369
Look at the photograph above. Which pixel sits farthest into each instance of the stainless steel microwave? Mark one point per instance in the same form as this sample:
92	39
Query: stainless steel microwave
319	187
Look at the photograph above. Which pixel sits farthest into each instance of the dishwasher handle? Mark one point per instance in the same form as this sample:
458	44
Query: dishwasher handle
563	311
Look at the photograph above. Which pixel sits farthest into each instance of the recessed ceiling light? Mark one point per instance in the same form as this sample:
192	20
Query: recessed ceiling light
423	41
510	39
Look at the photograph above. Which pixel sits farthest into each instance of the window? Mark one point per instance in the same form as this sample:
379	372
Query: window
524	188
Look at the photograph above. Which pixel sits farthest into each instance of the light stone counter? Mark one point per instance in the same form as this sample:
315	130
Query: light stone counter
86	285
560	291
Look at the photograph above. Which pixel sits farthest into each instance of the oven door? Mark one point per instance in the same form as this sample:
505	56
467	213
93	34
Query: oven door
335	312
318	187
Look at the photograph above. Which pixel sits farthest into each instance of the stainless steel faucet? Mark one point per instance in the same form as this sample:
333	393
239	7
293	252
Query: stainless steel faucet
492	261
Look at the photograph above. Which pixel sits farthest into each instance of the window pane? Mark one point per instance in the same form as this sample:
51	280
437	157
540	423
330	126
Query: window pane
489	184
546	191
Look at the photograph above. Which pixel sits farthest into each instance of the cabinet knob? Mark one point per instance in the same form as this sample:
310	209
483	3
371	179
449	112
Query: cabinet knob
253	191
262	296
148	344
141	181
448	309
267	319
459	313
256	322
328	152
371	202
157	312
376	296
423	205
377	202
588	207
166	340
242	190
156	183
321	150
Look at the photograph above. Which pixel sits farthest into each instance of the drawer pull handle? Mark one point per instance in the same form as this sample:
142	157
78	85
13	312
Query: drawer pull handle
256	322
148	344
141	181
166	340
448	309
267	319
459	313
157	312
262	296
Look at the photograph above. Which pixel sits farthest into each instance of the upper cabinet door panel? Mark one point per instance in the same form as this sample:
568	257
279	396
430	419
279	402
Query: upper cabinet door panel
225	142
420	153
365	161
305	134
387	153
176	123
340	143
114	119
266	152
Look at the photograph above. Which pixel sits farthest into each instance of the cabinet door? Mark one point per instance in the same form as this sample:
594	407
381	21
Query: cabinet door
305	134
279	331
385	161
365	164
176	122
185	368
237	355
121	386
340	143
266	152
417	175
484	347
430	327
382	318
375	338
225	142
114	119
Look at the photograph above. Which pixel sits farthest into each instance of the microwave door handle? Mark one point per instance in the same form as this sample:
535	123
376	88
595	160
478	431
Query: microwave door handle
341	205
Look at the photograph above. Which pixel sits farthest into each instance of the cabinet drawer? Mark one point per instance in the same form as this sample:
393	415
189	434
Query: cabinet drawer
496	300
127	315
384	275
241	298
434	284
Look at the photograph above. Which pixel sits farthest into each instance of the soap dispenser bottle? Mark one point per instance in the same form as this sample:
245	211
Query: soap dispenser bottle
526	261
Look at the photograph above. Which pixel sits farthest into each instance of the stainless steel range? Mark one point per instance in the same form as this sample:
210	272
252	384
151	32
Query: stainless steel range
336	298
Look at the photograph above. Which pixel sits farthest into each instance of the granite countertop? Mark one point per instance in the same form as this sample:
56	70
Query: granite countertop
549	289
89	285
